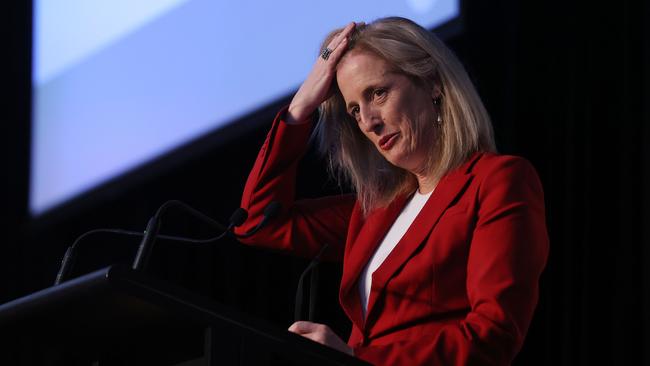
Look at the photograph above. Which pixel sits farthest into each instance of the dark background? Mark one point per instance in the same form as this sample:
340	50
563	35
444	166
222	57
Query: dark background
566	84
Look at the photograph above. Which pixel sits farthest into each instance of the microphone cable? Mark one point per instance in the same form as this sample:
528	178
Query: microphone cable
238	217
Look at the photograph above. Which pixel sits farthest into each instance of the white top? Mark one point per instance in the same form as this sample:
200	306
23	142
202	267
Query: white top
394	235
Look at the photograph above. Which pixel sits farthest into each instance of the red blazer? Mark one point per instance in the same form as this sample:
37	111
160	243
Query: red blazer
459	288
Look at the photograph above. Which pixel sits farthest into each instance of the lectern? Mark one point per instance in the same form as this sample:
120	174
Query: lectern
117	316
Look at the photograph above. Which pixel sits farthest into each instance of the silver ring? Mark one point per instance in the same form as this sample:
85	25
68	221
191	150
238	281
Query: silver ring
326	53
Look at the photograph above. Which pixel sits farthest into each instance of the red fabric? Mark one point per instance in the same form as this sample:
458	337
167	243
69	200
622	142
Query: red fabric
459	288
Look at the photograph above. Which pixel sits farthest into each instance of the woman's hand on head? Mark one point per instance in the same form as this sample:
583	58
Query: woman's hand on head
316	87
322	334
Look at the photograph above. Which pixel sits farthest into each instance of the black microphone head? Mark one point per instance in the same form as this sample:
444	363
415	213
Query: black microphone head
238	217
272	209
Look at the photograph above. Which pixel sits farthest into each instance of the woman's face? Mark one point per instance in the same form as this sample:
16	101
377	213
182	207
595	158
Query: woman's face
384	104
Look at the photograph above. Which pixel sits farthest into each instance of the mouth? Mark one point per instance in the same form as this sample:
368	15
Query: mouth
386	142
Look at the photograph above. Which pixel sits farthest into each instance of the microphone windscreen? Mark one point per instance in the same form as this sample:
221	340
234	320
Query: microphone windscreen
238	217
272	209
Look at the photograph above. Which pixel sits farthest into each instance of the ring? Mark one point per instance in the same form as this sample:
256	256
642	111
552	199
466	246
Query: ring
326	53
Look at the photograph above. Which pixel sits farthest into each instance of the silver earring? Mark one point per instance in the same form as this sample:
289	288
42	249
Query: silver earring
436	102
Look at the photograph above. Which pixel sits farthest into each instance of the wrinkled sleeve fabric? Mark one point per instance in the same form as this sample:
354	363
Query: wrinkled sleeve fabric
507	254
303	226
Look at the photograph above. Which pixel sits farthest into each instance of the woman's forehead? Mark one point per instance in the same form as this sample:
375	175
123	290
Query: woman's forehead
362	67
359	54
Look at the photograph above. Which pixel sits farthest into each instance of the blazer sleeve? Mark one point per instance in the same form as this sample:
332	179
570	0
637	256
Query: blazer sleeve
507	254
304	226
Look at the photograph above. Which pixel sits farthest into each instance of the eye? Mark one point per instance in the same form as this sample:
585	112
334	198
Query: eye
354	112
379	92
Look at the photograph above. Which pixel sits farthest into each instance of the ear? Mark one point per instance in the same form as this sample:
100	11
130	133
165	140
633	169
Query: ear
436	93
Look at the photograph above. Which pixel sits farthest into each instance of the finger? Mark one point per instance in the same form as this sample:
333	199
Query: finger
302	327
347	30
338	52
343	35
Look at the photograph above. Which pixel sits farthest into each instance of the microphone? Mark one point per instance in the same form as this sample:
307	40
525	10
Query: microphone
146	245
313	288
270	212
236	219
66	265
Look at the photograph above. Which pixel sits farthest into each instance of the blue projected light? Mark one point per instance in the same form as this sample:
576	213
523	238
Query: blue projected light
117	83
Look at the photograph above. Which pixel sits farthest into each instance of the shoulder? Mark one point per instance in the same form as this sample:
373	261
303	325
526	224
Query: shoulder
506	174
488	163
494	167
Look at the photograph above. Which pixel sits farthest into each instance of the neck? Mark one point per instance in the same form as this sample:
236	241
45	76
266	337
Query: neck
426	183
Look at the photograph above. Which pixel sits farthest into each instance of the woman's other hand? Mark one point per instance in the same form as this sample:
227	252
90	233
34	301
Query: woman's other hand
322	334
316	88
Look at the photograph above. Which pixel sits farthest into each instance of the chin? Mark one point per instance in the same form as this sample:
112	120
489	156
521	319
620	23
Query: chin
398	160
404	160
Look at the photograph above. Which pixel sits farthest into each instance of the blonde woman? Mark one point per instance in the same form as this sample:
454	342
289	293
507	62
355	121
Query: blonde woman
444	240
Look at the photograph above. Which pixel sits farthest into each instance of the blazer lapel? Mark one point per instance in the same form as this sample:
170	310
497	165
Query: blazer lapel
450	187
365	236
361	246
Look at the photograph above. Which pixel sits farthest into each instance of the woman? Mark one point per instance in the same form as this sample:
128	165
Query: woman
444	240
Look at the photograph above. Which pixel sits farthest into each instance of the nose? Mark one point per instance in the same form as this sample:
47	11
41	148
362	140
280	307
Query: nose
371	121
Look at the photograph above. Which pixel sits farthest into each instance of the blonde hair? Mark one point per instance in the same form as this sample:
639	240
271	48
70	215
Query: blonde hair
420	55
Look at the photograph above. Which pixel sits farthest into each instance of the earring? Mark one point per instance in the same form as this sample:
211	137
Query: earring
436	102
